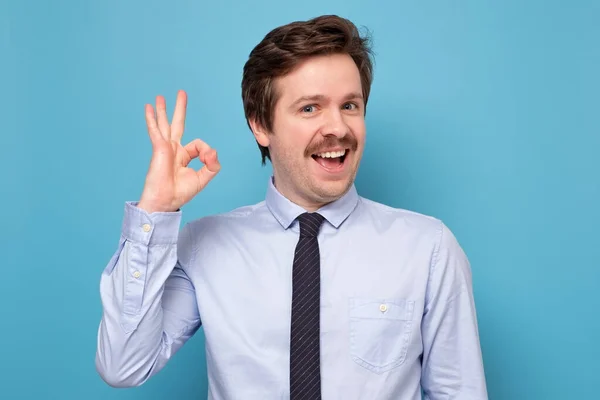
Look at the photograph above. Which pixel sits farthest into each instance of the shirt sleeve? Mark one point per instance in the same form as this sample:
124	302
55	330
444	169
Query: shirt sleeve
148	301
452	358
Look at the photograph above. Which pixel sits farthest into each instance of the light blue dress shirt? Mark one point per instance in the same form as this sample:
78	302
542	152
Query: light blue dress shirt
397	308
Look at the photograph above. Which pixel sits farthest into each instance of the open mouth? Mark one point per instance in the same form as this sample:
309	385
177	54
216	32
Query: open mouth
331	160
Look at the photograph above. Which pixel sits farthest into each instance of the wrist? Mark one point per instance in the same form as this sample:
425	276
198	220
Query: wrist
159	228
152	208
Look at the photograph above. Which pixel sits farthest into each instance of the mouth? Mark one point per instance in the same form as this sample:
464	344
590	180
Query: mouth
332	161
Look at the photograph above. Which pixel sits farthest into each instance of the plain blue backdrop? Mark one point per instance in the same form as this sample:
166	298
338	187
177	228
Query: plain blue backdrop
483	114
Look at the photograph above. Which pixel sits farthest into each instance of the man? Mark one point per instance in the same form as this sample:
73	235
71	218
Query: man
314	293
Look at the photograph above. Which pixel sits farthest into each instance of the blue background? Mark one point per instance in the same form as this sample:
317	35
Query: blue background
484	115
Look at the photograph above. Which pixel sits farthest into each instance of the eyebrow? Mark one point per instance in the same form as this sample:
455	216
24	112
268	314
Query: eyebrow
320	97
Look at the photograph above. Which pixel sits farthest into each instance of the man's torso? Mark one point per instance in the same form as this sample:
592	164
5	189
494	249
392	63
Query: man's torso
374	273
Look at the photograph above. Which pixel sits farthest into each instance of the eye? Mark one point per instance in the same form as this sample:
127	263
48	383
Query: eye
350	106
308	109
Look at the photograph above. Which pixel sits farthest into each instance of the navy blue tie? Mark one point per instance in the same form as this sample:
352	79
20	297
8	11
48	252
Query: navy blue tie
305	361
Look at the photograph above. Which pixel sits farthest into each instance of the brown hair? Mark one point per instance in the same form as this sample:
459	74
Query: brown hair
284	48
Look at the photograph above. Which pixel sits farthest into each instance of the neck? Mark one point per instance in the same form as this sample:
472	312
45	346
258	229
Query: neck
296	198
304	201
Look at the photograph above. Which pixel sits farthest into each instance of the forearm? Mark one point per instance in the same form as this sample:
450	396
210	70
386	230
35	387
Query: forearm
139	331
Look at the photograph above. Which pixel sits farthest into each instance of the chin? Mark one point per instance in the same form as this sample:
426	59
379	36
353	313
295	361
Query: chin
328	191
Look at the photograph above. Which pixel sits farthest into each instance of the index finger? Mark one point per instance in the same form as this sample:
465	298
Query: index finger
197	148
178	124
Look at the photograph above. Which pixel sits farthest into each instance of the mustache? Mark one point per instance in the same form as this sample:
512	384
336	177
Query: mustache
347	142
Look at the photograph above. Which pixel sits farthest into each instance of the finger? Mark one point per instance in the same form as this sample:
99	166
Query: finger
210	169
207	156
178	124
205	175
197	149
151	124
163	121
211	161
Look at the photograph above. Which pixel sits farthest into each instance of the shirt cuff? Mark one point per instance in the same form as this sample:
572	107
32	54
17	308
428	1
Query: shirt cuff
155	228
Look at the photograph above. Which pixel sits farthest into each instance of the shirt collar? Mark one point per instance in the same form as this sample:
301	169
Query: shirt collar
285	211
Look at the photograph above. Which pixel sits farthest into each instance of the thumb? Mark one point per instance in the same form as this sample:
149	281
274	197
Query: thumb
211	167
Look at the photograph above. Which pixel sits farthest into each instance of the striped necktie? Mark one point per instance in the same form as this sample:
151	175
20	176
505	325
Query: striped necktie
305	372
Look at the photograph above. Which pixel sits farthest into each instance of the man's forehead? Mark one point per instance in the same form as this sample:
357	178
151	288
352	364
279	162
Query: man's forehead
324	83
319	94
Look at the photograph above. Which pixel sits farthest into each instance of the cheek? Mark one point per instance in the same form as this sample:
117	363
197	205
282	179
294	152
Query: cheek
288	144
358	128
298	136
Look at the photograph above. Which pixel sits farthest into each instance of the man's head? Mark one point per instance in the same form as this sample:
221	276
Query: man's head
305	89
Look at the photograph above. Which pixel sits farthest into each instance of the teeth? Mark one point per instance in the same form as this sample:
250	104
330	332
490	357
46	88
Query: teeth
332	154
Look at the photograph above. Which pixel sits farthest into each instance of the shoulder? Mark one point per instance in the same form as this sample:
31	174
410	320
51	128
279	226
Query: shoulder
405	219
416	228
218	229
236	217
411	224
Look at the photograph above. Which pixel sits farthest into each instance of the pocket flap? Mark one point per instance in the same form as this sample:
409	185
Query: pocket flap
381	308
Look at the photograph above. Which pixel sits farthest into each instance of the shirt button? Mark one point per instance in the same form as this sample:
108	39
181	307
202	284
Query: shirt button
146	227
137	274
383	308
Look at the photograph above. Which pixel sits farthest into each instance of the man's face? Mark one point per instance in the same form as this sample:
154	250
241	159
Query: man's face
318	130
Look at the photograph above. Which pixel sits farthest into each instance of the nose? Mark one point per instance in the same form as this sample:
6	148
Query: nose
334	124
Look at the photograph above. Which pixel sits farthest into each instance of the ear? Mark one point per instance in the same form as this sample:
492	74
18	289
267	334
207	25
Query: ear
260	133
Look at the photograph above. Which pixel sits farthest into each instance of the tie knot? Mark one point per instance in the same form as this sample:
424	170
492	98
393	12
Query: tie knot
310	224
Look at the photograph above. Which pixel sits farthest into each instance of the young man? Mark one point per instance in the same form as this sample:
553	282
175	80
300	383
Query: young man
314	293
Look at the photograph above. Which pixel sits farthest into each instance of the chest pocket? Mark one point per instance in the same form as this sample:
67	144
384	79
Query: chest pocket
380	332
